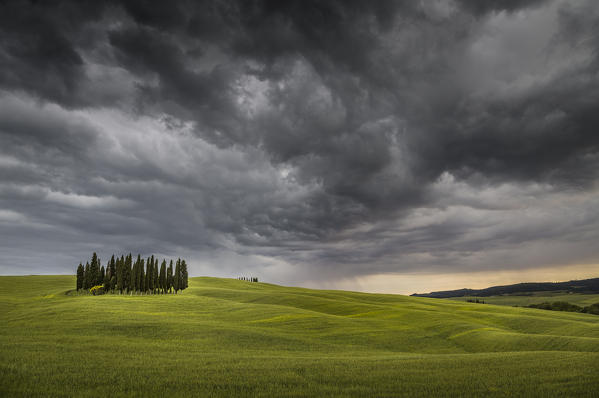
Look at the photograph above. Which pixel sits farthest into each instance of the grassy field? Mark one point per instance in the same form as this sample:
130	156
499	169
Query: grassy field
581	300
225	337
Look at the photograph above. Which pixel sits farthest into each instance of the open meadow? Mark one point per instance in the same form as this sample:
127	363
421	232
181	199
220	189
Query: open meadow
225	337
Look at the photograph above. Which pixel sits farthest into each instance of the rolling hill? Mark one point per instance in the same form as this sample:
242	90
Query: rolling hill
224	337
585	286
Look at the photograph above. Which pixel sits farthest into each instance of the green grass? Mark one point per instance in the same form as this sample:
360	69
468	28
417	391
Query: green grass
581	300
224	337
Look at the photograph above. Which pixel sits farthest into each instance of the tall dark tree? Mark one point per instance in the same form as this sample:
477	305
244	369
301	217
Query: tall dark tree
108	271
87	278
162	277
134	270
94	269
128	276
142	277
137	274
156	276
146	282
80	276
177	276
102	275
106	282
169	277
184	274
112	267
149	273
120	275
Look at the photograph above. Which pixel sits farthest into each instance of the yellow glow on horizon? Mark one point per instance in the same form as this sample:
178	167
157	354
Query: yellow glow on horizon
408	283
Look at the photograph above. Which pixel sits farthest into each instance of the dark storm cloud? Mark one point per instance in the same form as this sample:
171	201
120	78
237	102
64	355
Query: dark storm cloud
379	136
38	47
485	6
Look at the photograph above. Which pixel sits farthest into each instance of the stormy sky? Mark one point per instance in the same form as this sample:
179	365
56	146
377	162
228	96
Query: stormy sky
393	146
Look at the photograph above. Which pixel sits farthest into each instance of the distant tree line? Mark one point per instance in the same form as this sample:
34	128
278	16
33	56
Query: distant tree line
585	286
476	301
123	275
565	306
252	279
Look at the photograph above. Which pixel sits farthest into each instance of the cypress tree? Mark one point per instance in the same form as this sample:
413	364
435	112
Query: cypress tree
177	276
128	276
112	267
94	269
184	274
156	277
106	282
136	276
147	279
162	277
131	274
120	277
80	275
136	273
149	273
125	282
169	277
133	278
87	277
142	277
102	275
125	275
108	271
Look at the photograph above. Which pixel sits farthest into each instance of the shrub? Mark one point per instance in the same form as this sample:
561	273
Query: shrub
557	306
97	290
592	309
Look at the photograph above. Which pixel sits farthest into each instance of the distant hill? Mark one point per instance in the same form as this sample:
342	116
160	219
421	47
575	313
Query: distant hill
585	286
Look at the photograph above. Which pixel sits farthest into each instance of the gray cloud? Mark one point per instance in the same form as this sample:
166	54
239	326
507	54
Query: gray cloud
300	138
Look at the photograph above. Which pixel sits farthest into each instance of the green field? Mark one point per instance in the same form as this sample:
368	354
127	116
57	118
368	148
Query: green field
225	337
581	300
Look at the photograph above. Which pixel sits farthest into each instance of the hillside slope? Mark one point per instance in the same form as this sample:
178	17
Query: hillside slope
584	286
225	337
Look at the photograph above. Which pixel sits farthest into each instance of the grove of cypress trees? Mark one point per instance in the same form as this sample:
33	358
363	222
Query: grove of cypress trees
80	275
140	276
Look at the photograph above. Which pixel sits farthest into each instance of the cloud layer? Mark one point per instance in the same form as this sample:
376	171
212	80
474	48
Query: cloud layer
300	141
